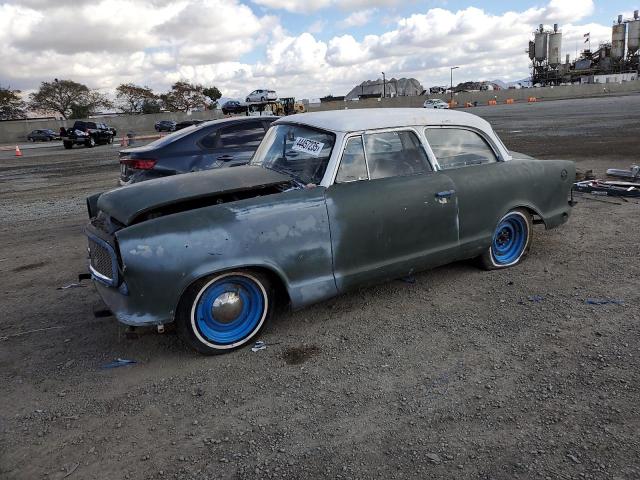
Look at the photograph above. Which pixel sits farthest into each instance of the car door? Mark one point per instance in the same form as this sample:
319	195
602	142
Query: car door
233	144
389	212
482	180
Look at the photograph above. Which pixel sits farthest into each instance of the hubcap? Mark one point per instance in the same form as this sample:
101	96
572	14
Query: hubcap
227	307
229	310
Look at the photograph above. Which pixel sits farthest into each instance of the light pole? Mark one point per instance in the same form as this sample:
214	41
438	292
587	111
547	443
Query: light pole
451	91
384	86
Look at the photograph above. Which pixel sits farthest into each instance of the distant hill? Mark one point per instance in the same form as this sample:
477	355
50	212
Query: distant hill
394	87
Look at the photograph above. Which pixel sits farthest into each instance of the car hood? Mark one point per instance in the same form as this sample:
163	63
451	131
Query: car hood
127	204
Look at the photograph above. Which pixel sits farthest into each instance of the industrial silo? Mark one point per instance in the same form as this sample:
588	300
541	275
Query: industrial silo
555	47
532	50
541	46
617	39
633	42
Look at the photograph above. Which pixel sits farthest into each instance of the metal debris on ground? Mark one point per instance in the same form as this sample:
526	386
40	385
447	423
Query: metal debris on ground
633	172
259	345
603	301
119	362
610	189
71	285
587	175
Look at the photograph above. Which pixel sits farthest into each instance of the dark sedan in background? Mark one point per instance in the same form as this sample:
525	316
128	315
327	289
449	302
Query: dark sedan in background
233	106
165	126
43	135
215	144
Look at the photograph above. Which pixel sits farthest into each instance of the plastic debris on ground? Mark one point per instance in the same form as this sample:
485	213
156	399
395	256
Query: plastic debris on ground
71	285
535	298
259	345
409	279
610	189
120	362
603	301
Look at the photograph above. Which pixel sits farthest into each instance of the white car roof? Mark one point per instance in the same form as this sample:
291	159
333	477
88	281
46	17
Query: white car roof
375	118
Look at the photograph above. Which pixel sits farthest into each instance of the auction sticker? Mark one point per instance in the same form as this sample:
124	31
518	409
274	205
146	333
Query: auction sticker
306	145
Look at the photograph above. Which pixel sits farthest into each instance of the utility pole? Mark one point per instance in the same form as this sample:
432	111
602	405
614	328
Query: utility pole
451	91
384	86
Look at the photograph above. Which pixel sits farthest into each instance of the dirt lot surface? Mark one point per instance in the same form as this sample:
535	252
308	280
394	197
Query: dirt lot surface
461	374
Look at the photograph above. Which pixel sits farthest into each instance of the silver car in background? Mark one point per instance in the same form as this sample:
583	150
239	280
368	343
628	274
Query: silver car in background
435	103
262	95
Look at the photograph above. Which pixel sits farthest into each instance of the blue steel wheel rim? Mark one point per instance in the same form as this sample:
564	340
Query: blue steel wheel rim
247	315
509	239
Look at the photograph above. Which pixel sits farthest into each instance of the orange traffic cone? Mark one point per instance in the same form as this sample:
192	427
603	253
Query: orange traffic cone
18	152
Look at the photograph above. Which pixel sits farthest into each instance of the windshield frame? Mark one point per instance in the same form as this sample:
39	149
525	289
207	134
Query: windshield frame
326	176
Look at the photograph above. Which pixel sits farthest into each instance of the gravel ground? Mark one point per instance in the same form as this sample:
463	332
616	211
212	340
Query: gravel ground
461	374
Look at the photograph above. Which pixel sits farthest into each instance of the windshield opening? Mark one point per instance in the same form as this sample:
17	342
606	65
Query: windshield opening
300	151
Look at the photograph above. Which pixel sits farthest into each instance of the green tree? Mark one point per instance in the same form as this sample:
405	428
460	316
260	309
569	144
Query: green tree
11	105
67	98
183	97
213	93
151	106
133	98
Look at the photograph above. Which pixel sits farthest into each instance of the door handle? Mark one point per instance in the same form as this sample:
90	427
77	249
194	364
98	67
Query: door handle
225	158
445	194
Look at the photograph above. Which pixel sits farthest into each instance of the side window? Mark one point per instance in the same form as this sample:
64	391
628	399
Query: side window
248	135
455	148
352	165
395	154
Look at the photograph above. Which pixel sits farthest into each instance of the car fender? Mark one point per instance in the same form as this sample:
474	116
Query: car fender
162	257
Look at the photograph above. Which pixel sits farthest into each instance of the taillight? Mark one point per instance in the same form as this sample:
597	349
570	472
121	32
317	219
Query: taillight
139	163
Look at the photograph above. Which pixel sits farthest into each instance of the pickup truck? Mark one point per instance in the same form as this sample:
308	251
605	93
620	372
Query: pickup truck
88	134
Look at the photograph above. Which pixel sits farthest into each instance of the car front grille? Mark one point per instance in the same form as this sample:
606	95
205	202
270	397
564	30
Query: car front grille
102	261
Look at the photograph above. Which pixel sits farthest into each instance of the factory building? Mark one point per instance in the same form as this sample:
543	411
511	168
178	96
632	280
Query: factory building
616	61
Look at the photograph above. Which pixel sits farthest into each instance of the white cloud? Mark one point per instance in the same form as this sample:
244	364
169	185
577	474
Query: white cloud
358	18
303	6
157	42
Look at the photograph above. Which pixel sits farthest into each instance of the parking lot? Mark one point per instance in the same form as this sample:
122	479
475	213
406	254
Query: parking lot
454	373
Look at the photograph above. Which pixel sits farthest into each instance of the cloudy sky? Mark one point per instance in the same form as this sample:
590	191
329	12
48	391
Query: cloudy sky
303	48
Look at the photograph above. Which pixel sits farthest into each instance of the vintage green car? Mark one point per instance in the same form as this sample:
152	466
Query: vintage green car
331	201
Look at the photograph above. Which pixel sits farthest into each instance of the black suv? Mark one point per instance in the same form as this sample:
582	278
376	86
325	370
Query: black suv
88	134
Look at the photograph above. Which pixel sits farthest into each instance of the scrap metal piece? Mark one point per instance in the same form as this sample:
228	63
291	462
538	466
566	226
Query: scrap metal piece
633	172
598	187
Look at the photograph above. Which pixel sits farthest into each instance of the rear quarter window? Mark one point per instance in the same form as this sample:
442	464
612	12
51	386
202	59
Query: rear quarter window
457	147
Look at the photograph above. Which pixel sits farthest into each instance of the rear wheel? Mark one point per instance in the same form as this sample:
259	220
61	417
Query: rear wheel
224	311
511	241
68	145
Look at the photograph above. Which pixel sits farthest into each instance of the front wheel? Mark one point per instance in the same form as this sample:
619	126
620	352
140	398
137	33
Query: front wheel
90	143
68	145
511	241
224	311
